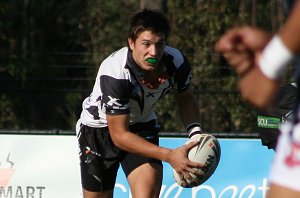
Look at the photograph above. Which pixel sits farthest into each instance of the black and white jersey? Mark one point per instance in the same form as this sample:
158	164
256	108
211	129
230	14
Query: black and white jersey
118	88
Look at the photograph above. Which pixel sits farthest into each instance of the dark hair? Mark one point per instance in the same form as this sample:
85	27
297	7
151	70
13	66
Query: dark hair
151	20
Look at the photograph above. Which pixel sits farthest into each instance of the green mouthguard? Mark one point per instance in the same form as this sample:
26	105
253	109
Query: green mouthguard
151	60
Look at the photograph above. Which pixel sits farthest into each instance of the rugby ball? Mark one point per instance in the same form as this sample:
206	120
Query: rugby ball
208	153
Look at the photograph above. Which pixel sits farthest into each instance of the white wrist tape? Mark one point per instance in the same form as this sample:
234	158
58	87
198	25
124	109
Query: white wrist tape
194	128
275	58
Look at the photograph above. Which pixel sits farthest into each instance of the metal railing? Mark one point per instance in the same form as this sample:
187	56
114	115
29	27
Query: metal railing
161	134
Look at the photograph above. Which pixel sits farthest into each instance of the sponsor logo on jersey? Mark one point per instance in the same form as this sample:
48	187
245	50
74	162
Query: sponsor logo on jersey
268	122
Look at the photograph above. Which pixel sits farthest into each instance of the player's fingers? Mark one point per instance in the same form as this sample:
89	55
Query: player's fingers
244	67
192	165
229	41
192	144
233	58
195	171
182	179
192	180
186	176
224	44
240	61
199	174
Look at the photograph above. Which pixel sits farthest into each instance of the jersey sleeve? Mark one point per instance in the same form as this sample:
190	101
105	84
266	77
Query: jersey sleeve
178	67
115	95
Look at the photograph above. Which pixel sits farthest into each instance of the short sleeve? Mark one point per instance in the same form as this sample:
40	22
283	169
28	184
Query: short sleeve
115	95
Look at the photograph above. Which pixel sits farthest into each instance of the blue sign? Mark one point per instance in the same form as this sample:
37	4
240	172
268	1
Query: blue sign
243	172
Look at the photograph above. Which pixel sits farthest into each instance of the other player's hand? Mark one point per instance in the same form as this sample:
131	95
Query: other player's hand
241	45
240	38
240	61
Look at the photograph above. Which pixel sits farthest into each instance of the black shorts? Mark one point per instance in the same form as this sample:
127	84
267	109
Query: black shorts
100	158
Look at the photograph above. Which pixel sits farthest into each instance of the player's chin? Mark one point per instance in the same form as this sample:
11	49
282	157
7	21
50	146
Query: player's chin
149	68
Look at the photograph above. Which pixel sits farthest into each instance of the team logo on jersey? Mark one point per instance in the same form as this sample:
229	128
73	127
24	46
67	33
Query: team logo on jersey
6	171
115	104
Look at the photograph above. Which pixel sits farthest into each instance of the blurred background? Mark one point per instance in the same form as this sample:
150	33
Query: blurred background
50	52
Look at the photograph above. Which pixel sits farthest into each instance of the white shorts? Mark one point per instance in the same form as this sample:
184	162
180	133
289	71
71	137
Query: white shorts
285	169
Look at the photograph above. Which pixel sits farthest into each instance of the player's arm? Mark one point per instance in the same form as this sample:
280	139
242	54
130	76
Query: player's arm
189	111
115	99
290	33
282	48
261	85
188	106
130	142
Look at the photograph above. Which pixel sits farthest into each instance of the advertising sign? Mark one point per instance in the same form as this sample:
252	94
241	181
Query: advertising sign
41	166
242	172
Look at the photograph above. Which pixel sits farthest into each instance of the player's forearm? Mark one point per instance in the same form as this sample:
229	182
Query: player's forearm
132	143
290	33
188	108
283	47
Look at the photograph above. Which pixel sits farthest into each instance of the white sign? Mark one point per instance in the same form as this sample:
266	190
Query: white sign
39	166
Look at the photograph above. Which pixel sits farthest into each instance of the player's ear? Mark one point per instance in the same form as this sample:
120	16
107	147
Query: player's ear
130	43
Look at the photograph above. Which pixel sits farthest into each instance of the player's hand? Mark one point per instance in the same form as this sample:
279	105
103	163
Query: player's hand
240	38
240	46
183	166
240	61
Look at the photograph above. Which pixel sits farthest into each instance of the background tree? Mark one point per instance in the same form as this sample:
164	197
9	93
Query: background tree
50	52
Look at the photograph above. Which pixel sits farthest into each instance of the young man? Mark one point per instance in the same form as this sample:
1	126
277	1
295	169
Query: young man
118	124
261	59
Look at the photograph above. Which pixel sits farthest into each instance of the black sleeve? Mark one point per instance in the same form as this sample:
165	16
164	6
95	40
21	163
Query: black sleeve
116	93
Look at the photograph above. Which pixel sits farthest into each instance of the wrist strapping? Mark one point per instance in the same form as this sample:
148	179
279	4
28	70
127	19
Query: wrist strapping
275	58
194	128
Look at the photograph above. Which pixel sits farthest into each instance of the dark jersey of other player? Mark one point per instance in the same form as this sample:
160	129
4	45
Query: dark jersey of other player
268	122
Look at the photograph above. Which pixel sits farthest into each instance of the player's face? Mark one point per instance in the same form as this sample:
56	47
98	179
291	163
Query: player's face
147	50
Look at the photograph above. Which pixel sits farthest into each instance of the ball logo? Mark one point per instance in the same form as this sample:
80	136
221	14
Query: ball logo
208	163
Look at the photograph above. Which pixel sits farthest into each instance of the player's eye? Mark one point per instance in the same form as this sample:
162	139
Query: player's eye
147	44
